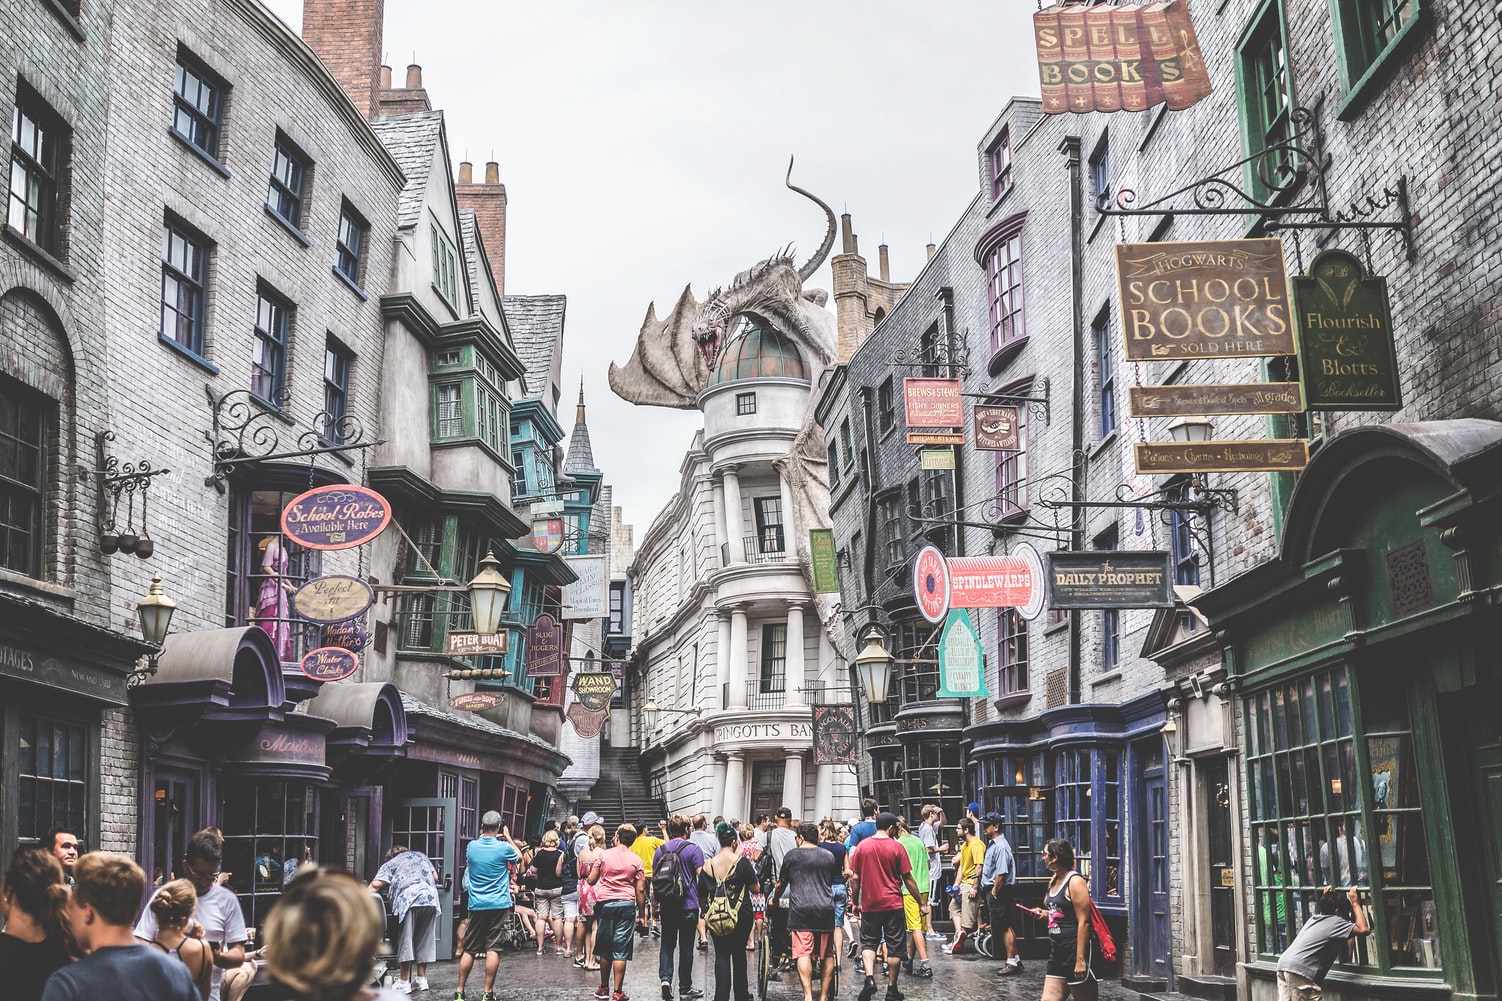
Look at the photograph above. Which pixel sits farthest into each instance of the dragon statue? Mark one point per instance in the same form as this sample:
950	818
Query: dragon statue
676	356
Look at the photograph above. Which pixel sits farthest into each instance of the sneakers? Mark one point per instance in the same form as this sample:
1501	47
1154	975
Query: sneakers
602	993
459	996
869	990
907	964
690	994
401	986
419	983
703	945
488	996
656	932
860	964
619	996
947	948
934	936
924	972
1011	969
667	990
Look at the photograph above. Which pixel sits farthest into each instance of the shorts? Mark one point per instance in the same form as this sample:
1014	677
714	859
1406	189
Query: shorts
570	906
550	904
839	904
1061	952
1292	987
884	926
812	944
615	930
912	913
418	942
965	911
487	931
1002	907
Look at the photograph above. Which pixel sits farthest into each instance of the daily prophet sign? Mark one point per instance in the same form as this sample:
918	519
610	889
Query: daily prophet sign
1110	579
1211	299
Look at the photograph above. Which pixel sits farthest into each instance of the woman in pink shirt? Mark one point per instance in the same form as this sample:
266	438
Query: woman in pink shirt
619	882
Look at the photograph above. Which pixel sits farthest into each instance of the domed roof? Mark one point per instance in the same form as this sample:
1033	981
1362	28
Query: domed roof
760	351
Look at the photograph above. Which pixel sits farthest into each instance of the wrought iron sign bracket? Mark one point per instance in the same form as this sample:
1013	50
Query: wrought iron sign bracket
1205	500
1038	406
114	479
246	429
1292	177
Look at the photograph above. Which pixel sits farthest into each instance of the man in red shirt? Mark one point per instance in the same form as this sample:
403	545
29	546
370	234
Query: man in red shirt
879	869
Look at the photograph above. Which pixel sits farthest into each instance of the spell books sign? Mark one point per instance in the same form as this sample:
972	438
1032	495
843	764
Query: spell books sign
1119	57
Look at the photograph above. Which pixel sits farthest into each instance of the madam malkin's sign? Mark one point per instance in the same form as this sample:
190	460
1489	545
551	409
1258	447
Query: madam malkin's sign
1211	299
1110	579
1347	357
337	516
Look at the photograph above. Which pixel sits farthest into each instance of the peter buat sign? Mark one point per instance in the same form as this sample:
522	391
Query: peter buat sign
475	702
1012	581
825	560
834	734
1214	400
337	516
593	690
1347	357
330	663
960	662
587	722
333	598
1129	57
1110	579
471	644
934	411
1210	299
996	428
1278	455
545	647
350	634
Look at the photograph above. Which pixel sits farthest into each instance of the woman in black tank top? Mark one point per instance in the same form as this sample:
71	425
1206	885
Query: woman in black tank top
1066	908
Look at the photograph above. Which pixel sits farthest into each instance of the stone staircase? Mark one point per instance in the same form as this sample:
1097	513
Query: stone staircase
621	792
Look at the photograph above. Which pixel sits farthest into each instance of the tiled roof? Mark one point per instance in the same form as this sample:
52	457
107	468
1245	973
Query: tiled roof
468	235
411	140
536	323
581	454
417	707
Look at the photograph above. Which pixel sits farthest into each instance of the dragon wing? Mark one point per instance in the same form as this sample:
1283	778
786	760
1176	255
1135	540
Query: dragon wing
665	369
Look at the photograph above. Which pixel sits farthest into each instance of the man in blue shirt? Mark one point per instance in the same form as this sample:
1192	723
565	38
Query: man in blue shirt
866	828
487	877
998	875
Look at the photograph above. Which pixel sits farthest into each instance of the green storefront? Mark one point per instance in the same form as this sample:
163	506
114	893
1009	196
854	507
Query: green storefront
1367	661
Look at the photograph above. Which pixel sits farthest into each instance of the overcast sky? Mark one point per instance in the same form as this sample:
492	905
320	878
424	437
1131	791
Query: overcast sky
643	147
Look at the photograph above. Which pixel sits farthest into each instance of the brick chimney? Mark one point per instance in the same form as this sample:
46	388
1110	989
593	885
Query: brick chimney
488	200
346	35
404	100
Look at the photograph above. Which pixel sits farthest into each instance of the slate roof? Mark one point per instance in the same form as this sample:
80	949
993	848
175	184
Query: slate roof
581	454
411	140
417	707
536	324
470	239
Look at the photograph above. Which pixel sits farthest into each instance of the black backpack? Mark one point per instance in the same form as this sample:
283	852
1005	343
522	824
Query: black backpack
669	881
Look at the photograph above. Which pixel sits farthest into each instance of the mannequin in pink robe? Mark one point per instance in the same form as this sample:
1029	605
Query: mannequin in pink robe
272	612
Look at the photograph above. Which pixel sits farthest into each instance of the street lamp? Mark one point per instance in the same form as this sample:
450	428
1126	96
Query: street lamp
873	666
652	711
487	595
1190	429
155	612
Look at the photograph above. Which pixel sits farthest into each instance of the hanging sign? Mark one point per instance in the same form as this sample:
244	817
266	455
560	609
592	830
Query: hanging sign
350	634
545	647
834	734
825	561
1208	299
1256	456
587	722
960	662
330	663
996	428
934	437
547	535
1110	579
1012	581
936	458
333	598
1347	359
933	403
588	597
337	516
931	584
1118	58
1209	401
472	644
474	702
594	689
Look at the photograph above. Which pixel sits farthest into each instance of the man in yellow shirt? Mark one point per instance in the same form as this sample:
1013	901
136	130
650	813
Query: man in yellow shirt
964	909
645	846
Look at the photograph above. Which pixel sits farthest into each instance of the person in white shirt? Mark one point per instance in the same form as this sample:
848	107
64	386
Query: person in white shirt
218	910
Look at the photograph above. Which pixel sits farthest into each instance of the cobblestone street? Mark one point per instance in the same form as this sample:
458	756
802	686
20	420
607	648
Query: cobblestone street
524	975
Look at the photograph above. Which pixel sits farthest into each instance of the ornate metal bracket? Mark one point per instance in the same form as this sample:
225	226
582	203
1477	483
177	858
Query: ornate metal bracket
248	429
1205	499
956	357
128	478
1292	174
1038	406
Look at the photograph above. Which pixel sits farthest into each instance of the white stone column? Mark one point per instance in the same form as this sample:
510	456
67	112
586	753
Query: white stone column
790	536
823	792
720	536
718	795
739	658
734	521
722	663
792	783
735	786
793	675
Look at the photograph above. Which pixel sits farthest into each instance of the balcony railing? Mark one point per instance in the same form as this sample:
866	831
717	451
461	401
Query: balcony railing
767	548
762	696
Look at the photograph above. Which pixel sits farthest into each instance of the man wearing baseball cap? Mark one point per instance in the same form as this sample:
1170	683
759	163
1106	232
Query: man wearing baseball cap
998	876
487	877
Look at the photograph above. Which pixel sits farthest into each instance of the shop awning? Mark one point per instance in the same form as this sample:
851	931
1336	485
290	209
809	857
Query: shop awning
221	675
368	716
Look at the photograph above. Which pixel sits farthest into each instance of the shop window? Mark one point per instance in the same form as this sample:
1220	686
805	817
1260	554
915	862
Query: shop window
1011	467
513	807
886	781
1012	652
1265	94
270	830
933	771
40	147
52	776
1012	785
263	568
25	420
886	406
197	105
999	165
354	232
917	661
1087	813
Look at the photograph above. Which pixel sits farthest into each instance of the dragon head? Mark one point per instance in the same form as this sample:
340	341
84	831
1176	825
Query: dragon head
709	328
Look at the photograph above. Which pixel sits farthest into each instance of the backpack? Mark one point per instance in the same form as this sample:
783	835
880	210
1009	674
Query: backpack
669	882
723	914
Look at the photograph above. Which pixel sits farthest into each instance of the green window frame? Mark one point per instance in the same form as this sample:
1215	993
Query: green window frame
1265	98
1371	37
